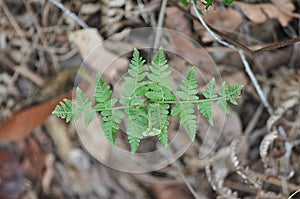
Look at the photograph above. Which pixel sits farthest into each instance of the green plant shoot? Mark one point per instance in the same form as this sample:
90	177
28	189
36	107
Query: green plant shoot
148	102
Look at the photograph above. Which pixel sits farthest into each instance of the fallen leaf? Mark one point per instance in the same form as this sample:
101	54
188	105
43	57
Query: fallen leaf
25	121
93	52
11	178
58	132
173	191
259	13
287	7
176	20
228	19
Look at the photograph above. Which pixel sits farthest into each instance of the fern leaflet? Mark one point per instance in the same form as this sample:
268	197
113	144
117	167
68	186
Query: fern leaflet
136	113
65	110
159	121
111	117
222	101
84	106
185	111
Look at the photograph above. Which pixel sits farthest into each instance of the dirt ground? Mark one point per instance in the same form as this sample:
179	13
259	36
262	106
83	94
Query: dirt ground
44	51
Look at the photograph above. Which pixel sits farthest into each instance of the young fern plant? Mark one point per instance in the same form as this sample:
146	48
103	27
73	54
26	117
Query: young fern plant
148	102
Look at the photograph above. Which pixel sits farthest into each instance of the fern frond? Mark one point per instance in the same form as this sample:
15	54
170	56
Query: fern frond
159	121
185	111
234	91
66	110
111	117
187	117
102	90
84	106
163	138
210	91
133	82
159	73
137	121
205	108
230	94
222	101
134	143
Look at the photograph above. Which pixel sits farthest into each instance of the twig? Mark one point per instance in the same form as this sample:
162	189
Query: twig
159	24
243	57
70	14
271	46
13	22
41	36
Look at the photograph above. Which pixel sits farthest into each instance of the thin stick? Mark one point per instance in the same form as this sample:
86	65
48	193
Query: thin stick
243	58
13	22
159	24
271	46
70	14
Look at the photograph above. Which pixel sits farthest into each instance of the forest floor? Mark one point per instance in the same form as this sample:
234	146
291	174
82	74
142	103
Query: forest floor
252	153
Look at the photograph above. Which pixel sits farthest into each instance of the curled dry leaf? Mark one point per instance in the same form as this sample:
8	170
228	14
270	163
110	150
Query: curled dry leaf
259	13
228	19
216	171
265	144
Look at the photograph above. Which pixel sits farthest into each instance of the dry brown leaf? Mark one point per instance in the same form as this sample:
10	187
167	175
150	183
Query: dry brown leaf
228	19
24	122
167	192
11	179
92	50
58	132
176	20
287	7
259	13
196	56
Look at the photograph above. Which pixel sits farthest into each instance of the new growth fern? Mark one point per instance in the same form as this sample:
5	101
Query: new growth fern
148	101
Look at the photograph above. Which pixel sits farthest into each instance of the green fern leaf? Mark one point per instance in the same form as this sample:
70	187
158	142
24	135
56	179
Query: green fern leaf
66	110
234	91
185	111
84	106
187	117
111	117
222	101
102	90
134	143
163	138
210	91
159	73
159	121
134	86
205	108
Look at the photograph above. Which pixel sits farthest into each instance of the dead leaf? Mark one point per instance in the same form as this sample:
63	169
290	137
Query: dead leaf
228	19
176	20
93	52
287	7
25	121
11	178
193	54
259	13
58	132
173	191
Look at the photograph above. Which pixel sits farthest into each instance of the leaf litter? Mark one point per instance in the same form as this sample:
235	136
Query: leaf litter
48	155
